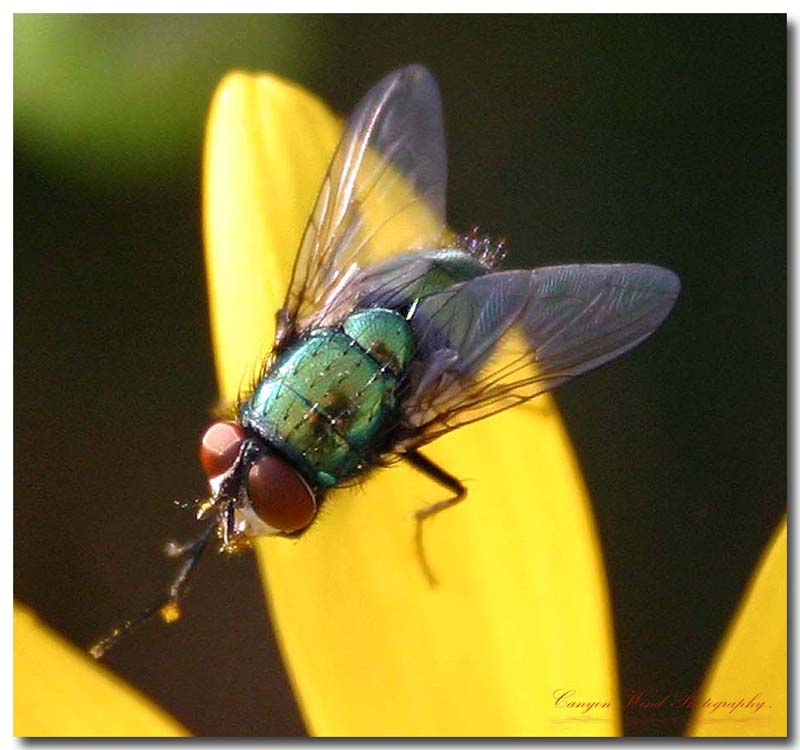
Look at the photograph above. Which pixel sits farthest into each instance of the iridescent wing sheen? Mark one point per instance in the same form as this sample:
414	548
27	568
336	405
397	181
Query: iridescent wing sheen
495	341
384	193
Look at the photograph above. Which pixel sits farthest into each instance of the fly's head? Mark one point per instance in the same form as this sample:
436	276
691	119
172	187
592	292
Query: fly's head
254	490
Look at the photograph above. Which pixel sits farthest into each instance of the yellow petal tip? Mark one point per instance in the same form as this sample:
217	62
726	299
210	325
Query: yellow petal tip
60	692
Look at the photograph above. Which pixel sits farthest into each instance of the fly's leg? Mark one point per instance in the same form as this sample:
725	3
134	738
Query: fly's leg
439	475
167	608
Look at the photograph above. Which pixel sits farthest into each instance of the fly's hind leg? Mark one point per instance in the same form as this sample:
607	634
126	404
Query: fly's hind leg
439	475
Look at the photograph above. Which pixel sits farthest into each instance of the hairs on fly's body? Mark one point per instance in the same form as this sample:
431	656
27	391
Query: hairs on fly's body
489	251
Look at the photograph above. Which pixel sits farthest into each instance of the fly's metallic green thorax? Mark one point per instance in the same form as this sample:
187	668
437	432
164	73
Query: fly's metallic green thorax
330	402
384	335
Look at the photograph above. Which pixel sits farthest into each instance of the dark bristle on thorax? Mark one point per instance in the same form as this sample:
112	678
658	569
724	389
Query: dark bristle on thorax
489	251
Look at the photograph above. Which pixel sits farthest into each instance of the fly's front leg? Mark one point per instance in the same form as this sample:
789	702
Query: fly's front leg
439	475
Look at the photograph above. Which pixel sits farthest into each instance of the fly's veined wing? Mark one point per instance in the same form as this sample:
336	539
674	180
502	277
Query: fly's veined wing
384	193
497	340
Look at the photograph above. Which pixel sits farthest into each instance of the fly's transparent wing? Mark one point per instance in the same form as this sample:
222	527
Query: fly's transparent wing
384	193
500	339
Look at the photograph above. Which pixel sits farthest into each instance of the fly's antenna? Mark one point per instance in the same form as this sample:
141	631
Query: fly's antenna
167	608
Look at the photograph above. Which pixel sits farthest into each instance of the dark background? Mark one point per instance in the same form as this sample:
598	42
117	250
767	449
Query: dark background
582	138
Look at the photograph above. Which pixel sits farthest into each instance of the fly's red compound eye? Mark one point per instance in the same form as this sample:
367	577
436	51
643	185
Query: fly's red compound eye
220	447
279	495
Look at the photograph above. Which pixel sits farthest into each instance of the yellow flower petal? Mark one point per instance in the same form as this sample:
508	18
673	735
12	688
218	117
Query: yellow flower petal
60	692
256	202
749	670
522	608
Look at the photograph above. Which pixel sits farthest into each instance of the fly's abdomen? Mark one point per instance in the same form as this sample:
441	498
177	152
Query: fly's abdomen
330	399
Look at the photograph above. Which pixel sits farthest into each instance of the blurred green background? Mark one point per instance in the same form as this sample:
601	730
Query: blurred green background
580	138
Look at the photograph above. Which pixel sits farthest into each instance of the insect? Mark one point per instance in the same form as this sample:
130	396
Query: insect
394	332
